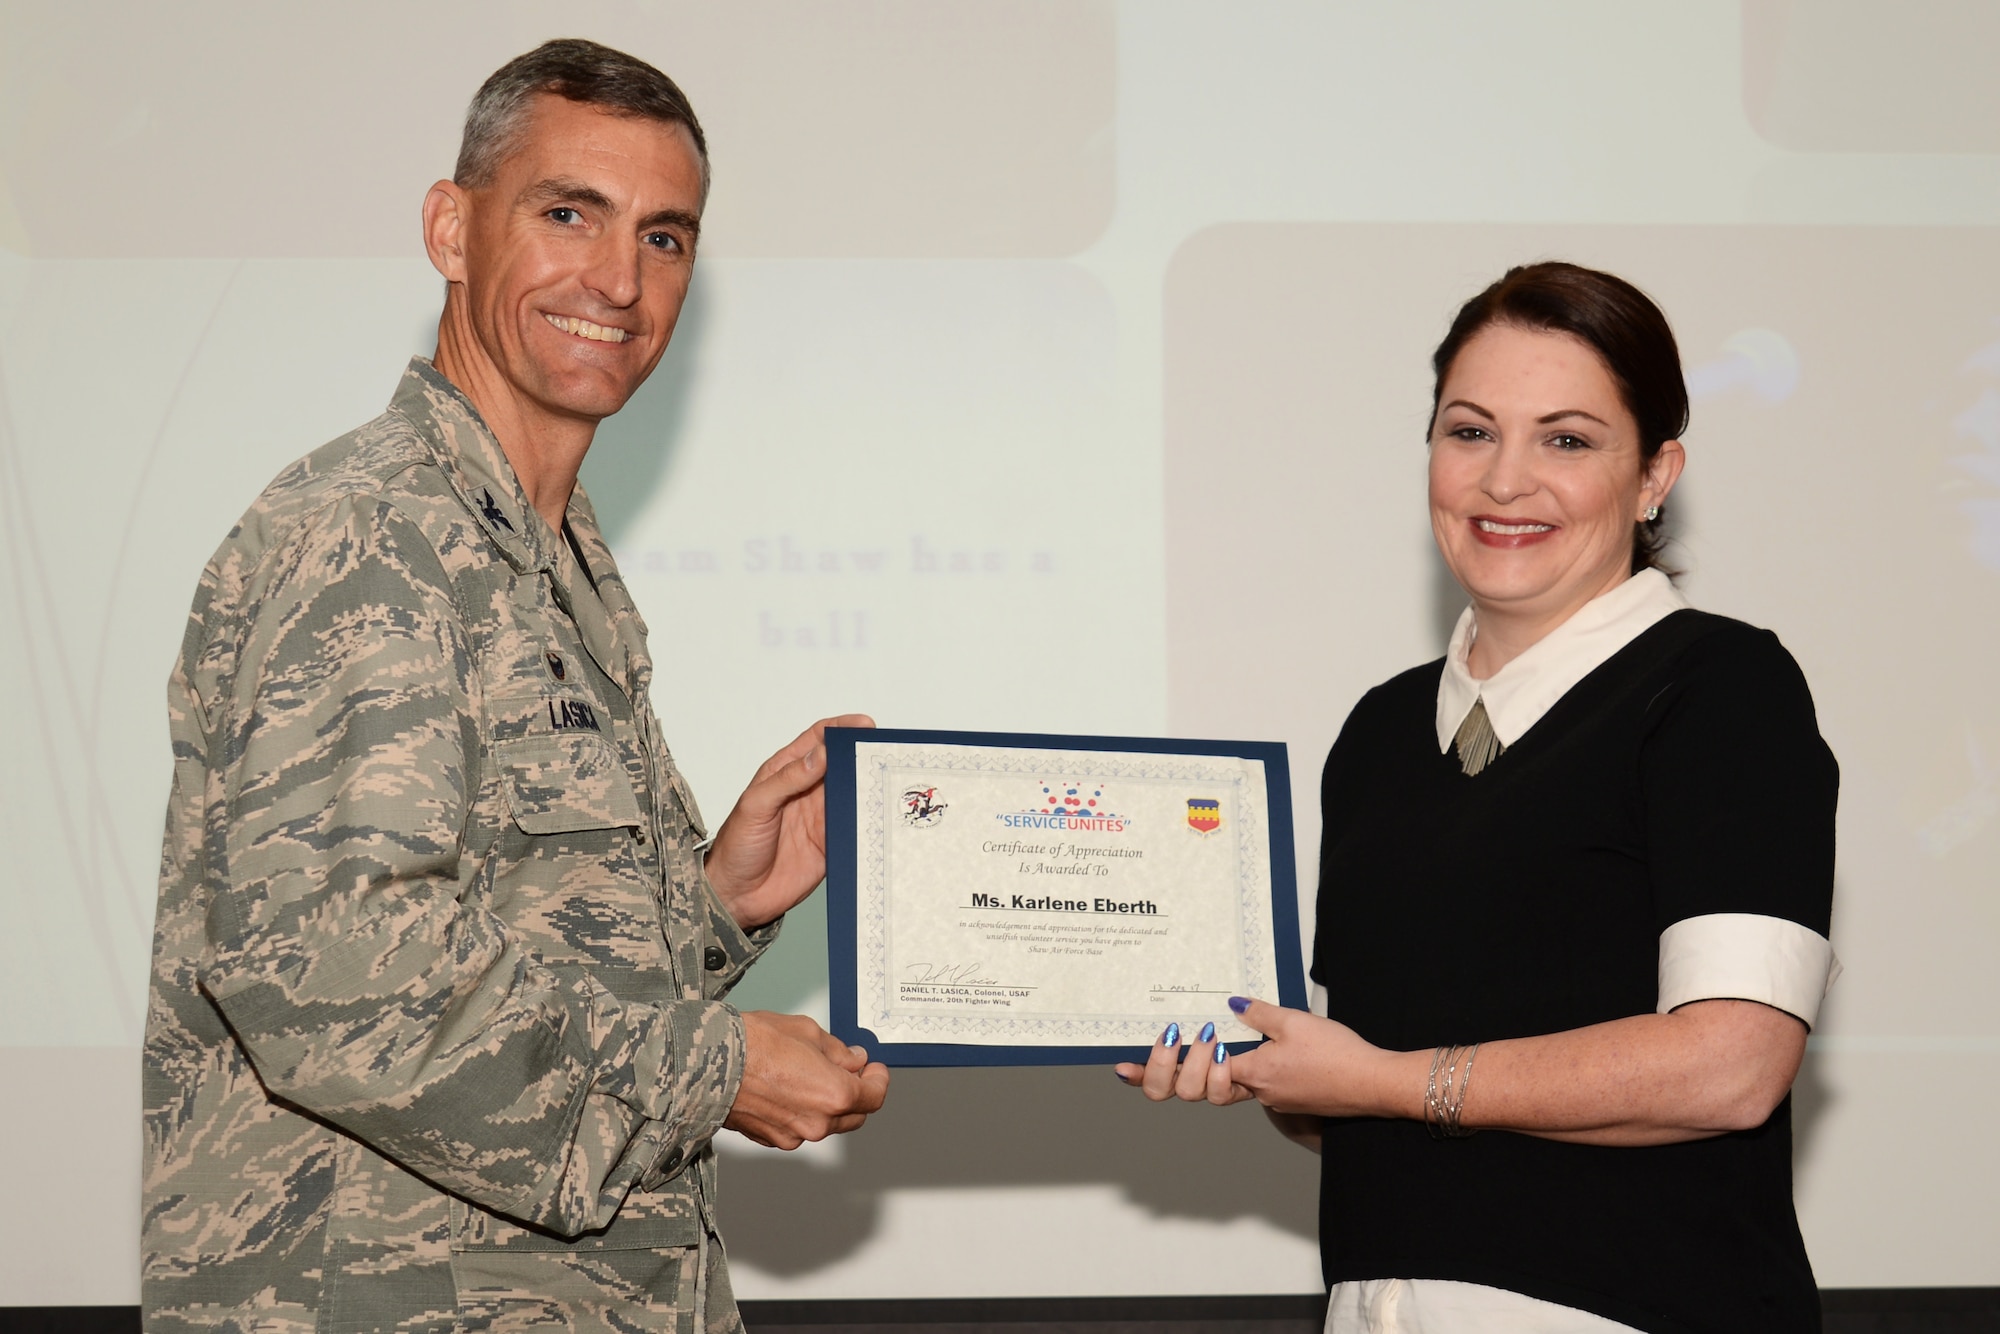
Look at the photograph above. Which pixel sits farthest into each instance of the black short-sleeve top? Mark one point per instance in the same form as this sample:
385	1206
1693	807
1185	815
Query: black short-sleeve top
1684	778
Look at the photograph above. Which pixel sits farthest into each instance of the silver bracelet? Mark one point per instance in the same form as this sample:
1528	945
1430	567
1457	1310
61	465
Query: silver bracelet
1433	1109
1444	1108
1454	1130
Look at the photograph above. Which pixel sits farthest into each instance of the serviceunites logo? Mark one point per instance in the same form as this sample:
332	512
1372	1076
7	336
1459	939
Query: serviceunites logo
1068	807
1204	815
921	807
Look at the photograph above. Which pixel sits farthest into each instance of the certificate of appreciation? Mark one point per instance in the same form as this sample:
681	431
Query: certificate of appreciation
1021	899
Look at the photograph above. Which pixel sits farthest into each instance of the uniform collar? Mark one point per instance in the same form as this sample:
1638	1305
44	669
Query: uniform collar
1521	692
477	469
475	465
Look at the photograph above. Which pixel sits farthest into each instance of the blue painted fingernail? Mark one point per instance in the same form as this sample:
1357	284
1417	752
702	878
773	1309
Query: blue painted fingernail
1208	1031
1239	1003
1221	1052
1172	1037
1119	1077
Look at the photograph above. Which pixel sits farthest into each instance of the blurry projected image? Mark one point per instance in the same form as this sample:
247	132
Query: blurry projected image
952	551
1914	77
839	480
869	486
1760	360
113	492
1979	428
1842	487
900	92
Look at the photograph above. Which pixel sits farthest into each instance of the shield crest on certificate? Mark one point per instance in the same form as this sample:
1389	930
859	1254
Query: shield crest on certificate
1204	814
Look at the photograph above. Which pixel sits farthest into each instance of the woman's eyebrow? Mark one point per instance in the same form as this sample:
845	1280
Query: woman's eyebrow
1470	406
1554	417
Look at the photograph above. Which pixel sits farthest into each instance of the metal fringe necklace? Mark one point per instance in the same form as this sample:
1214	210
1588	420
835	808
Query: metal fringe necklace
1477	746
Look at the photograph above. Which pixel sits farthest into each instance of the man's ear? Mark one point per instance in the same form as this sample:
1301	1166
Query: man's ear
447	210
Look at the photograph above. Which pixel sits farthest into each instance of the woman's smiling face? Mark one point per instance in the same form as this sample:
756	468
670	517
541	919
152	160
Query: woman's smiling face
1536	476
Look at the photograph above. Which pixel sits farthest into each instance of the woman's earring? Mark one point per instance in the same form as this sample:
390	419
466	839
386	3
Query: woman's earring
1652	513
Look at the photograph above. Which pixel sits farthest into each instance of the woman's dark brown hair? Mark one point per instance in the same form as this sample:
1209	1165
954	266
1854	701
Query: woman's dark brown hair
1620	323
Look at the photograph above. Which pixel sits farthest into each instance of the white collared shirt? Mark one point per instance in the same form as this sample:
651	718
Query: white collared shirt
1521	692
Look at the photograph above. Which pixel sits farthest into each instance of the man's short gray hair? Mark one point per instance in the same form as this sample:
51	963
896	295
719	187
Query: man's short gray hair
573	68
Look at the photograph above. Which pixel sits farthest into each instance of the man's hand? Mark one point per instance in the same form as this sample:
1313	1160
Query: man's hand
771	851
800	1082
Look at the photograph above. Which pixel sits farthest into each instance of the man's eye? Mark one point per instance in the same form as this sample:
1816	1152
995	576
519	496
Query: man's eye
563	214
663	240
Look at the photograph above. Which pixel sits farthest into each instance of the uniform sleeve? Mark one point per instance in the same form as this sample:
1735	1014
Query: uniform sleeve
1740	793
733	949
362	981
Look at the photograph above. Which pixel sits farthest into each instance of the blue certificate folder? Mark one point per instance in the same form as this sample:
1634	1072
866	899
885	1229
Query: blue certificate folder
843	835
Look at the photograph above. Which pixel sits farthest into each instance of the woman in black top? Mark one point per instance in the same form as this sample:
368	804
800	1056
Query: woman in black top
1575	887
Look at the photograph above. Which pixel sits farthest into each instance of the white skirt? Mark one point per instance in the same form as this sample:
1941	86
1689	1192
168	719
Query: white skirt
1440	1306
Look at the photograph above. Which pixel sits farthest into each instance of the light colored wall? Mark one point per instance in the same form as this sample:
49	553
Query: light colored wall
1076	352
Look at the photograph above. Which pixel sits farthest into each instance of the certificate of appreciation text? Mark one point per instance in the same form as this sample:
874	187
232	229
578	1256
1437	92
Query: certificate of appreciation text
1001	898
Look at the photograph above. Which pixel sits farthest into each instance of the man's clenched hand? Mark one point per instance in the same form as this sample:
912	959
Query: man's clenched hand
801	1083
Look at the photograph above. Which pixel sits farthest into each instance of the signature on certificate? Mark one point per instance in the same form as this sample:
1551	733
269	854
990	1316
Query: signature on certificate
948	974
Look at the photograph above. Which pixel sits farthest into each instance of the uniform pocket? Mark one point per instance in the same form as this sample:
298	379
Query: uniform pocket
646	1221
564	784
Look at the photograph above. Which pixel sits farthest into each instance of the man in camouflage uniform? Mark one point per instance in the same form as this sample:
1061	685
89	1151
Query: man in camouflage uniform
436	1037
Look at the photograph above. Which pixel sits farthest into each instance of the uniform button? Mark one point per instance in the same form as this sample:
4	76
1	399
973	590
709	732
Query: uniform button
640	834
714	959
672	1160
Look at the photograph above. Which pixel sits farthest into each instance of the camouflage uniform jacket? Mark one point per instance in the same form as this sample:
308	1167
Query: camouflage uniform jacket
435	1026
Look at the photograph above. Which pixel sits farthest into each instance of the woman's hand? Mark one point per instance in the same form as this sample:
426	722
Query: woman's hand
1203	1076
1320	1067
1309	1065
1708	1068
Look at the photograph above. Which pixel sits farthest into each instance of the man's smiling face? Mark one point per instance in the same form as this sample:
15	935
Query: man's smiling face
577	255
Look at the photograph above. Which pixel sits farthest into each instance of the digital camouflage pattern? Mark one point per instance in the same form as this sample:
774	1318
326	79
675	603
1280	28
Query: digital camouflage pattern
435	1037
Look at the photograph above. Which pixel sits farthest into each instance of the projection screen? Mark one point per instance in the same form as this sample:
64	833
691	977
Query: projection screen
1054	367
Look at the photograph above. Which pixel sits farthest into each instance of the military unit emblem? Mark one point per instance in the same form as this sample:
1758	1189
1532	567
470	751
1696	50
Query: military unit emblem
921	807
1204	814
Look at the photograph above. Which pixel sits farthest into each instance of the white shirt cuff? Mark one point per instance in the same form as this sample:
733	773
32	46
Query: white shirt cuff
1746	956
1316	998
